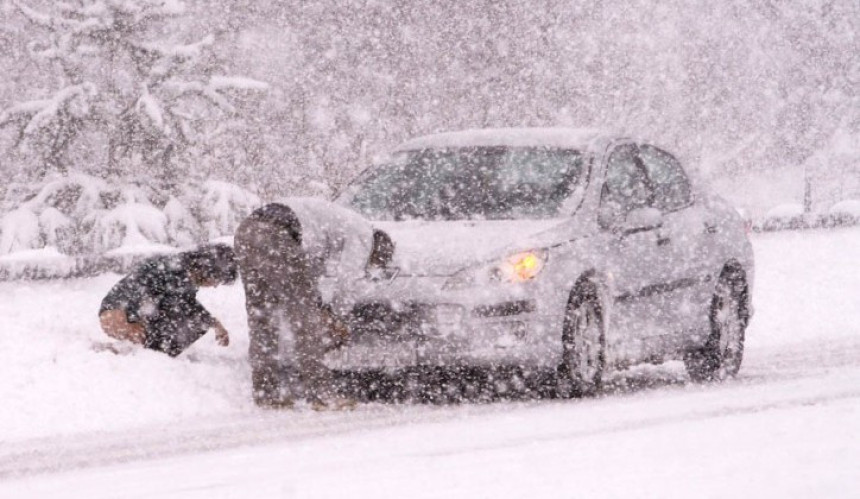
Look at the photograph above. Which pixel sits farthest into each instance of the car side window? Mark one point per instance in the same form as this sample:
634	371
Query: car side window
671	186
625	188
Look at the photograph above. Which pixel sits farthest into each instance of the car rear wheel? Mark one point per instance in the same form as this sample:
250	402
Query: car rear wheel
583	344
722	354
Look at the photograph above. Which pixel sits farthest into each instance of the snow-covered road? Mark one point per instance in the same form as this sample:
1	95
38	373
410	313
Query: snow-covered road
74	423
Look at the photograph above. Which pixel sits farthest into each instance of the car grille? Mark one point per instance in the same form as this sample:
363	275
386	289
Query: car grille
405	321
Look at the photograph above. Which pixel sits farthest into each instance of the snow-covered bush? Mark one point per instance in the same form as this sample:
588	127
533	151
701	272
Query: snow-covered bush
223	206
783	217
20	231
130	92
52	214
79	214
127	225
73	195
56	228
183	229
845	212
112	141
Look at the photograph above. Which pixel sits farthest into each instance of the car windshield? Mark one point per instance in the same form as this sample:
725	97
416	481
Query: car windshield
489	183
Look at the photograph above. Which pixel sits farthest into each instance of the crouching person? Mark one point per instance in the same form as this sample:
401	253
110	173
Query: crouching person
156	304
283	250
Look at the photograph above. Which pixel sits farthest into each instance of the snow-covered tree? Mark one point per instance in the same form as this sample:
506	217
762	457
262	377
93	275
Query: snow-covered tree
122	77
132	122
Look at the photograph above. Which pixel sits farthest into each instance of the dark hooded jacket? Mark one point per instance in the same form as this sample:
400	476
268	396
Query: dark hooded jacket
160	294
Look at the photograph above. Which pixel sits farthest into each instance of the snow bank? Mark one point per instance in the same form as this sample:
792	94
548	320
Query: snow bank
784	216
45	262
807	287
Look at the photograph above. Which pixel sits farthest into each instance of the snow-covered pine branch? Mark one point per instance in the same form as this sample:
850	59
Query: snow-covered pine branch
41	19
59	116
219	83
141	11
149	107
179	52
214	90
22	111
171	59
73	100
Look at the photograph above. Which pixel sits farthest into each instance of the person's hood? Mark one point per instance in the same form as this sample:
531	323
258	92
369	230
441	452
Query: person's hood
443	248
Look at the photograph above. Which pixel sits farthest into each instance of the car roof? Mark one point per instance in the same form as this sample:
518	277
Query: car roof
568	138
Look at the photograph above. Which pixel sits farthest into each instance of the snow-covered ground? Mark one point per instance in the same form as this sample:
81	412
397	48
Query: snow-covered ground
79	423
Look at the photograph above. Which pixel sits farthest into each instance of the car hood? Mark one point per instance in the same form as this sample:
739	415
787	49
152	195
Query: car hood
443	248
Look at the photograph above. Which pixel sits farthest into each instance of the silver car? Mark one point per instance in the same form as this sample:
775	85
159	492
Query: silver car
574	250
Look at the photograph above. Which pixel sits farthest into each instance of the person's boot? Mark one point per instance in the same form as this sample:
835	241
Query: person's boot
333	404
266	390
275	404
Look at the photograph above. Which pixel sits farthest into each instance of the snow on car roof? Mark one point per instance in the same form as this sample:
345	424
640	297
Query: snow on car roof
574	138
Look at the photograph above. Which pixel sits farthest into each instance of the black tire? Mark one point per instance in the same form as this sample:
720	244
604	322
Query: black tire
583	344
721	356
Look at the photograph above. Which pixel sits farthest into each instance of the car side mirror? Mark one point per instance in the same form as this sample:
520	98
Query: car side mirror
641	219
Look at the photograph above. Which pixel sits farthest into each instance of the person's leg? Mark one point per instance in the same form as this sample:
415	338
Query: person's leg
115	324
255	244
277	276
312	339
296	292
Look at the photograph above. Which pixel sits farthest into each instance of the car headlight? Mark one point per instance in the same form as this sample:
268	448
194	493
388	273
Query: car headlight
520	267
516	268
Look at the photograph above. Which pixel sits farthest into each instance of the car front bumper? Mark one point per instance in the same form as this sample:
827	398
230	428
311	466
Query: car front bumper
419	324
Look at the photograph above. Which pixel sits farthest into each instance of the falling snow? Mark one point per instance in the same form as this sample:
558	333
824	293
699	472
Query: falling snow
476	135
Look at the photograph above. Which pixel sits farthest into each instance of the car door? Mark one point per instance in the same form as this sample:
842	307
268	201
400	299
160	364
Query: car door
636	262
682	240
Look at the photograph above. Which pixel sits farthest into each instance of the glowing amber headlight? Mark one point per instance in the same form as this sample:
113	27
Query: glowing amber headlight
516	268
521	267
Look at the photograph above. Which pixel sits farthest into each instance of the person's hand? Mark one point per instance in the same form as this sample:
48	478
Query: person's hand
338	329
222	337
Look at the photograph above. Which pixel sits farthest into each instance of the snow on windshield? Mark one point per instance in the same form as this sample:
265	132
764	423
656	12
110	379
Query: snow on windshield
489	183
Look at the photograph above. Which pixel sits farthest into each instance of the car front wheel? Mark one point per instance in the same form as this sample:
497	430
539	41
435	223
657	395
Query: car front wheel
723	352
583	344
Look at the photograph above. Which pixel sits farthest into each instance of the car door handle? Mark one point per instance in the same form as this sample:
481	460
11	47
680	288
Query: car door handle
663	240
710	228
